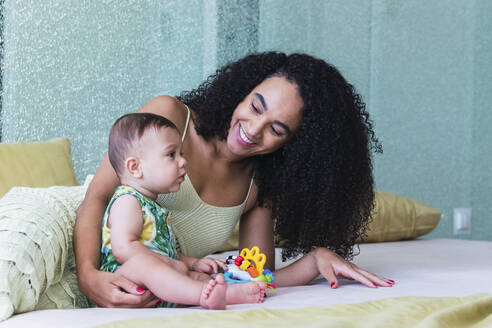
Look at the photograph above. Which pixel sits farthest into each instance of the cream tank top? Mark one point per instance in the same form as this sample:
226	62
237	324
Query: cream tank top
200	228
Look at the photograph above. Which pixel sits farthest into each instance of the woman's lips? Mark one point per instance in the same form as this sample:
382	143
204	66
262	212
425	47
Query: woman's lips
242	138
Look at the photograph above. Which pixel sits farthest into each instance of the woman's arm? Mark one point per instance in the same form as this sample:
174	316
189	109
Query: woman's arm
330	265
256	229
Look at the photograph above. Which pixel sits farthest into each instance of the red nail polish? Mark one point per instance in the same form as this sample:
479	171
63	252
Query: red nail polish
391	281
332	285
140	290
159	302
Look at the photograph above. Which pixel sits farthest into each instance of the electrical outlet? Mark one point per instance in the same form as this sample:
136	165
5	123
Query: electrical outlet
462	220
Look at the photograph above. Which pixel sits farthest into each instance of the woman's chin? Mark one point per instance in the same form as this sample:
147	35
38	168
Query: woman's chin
234	149
238	150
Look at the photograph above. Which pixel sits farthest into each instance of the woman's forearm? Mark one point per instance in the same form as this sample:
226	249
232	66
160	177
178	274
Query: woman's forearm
87	231
256	229
298	273
87	235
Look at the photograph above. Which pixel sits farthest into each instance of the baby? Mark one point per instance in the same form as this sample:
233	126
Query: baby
137	239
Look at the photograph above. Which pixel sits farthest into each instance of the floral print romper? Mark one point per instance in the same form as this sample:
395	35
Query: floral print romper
156	234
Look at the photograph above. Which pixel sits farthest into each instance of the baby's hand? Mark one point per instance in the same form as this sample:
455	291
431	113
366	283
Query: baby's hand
208	265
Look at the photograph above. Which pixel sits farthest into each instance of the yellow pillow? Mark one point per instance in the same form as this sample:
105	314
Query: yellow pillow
36	164
394	218
397	217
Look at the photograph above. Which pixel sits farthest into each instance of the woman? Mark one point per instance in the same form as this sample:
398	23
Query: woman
270	137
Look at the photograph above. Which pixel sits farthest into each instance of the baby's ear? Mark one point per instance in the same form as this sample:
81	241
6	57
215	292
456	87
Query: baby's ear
132	166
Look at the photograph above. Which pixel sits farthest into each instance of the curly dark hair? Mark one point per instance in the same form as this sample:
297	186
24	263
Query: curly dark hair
320	185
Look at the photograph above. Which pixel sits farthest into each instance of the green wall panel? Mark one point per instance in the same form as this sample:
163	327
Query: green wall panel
420	86
482	121
336	31
423	67
237	29
71	67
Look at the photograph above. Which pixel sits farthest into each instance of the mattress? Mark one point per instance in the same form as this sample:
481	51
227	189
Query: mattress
421	268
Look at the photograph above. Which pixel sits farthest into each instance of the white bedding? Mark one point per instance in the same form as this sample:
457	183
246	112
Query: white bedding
434	267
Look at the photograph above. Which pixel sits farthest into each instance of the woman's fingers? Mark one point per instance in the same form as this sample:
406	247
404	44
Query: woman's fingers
127	285
331	277
331	265
353	272
114	290
127	294
380	281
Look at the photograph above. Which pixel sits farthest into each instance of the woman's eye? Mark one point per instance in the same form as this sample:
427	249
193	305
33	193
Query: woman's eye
171	154
274	131
254	108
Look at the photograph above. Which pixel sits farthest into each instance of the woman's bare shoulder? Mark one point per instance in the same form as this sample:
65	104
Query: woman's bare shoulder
169	107
252	200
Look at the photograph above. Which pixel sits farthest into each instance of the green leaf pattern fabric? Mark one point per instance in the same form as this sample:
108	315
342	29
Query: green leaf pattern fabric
156	234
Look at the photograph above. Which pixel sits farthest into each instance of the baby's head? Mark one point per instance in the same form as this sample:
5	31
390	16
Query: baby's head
145	151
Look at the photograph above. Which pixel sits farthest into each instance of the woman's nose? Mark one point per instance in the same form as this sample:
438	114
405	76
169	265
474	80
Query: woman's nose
255	128
182	162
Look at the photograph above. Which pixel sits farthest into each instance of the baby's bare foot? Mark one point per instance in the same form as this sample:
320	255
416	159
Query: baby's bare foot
214	294
247	292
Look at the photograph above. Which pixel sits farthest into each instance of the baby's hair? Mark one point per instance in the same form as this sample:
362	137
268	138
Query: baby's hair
126	131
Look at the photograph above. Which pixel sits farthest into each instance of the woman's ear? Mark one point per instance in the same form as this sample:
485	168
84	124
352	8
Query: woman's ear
132	165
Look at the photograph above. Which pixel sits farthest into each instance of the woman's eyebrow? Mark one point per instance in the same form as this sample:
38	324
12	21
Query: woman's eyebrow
263	103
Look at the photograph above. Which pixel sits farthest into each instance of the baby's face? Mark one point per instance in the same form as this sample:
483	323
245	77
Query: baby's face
161	162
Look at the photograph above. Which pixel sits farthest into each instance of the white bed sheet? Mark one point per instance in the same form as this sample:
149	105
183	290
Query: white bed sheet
425	267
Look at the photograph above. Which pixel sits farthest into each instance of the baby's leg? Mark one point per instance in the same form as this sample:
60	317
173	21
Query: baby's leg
167	283
182	268
214	294
250	292
246	292
199	276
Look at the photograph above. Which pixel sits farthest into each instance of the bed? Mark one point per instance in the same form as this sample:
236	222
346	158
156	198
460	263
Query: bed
439	282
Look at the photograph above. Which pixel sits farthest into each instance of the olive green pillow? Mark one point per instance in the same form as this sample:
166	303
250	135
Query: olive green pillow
36	164
394	218
397	217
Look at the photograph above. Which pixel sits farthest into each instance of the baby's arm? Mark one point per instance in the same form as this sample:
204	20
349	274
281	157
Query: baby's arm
205	264
125	221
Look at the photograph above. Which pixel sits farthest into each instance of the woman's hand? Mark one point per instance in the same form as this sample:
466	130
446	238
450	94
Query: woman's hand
209	265
113	290
331	265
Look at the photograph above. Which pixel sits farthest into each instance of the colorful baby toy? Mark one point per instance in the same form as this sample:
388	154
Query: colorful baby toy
248	266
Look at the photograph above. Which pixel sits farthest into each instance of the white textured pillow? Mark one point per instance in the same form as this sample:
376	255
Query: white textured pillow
37	265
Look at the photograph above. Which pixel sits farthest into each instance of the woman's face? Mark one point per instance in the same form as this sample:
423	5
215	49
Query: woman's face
266	119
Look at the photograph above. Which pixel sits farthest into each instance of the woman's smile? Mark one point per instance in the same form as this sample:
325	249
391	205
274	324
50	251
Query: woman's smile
242	137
